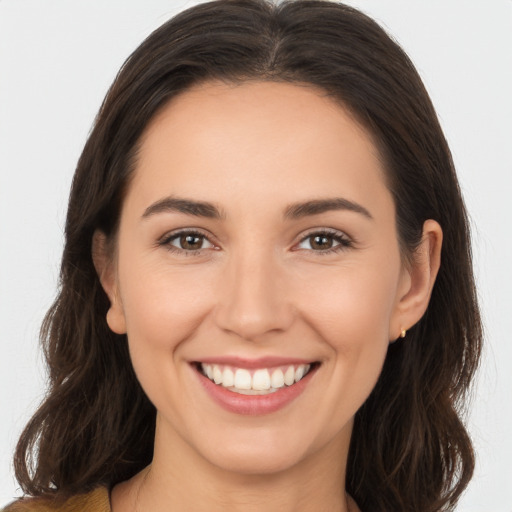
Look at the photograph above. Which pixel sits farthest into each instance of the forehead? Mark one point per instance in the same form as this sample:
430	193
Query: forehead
256	139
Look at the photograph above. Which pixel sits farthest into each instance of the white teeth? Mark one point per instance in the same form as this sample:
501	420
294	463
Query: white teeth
262	381
243	379
277	380
301	371
289	376
217	375
228	378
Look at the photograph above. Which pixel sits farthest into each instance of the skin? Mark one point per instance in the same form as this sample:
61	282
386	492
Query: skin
258	287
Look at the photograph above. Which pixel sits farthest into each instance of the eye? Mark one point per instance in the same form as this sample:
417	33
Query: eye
186	241
325	241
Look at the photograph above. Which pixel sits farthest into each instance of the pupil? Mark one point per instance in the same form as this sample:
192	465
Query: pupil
190	242
321	242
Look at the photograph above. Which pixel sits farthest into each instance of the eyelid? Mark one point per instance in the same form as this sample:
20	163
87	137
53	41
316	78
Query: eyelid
164	241
344	241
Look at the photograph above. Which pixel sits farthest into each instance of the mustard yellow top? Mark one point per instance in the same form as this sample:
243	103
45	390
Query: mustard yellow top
97	500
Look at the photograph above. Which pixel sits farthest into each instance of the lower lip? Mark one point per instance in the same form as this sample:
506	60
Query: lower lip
254	404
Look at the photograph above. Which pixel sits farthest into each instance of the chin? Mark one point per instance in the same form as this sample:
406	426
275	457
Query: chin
255	460
264	450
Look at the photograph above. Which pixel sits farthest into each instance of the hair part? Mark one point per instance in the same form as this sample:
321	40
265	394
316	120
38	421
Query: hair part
410	450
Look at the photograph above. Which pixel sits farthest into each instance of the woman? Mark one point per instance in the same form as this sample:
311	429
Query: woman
267	298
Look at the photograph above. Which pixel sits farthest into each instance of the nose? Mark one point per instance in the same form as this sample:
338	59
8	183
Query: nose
253	300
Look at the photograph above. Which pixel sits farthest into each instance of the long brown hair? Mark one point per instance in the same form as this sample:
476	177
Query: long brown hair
409	449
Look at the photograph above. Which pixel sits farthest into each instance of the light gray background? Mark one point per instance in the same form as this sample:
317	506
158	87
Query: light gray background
57	59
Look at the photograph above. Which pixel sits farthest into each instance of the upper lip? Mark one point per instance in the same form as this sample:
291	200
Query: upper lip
260	362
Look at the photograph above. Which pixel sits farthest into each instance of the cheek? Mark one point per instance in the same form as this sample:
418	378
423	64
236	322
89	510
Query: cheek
163	310
163	306
350	311
352	306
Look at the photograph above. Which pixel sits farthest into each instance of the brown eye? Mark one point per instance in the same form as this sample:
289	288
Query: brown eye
325	242
321	242
187	242
191	242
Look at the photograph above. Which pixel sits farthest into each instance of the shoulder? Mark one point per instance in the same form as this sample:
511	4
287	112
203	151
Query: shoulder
95	501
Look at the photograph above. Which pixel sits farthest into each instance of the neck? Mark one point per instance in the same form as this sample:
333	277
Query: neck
181	480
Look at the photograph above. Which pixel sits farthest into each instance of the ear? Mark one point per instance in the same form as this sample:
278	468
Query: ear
417	281
105	268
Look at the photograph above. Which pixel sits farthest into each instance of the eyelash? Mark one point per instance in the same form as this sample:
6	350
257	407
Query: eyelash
167	239
344	242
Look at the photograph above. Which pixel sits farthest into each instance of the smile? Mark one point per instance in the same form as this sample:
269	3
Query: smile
259	381
254	386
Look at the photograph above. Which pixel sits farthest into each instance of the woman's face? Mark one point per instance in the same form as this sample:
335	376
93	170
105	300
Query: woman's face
257	235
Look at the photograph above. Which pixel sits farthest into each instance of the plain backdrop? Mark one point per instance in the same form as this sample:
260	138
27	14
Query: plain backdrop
57	59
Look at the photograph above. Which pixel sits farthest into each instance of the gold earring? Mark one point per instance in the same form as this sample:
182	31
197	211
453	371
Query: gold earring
403	333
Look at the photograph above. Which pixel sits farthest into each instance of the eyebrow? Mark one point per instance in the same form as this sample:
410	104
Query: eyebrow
294	211
318	206
186	206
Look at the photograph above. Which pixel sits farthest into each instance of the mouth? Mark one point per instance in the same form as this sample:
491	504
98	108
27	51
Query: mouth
255	381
